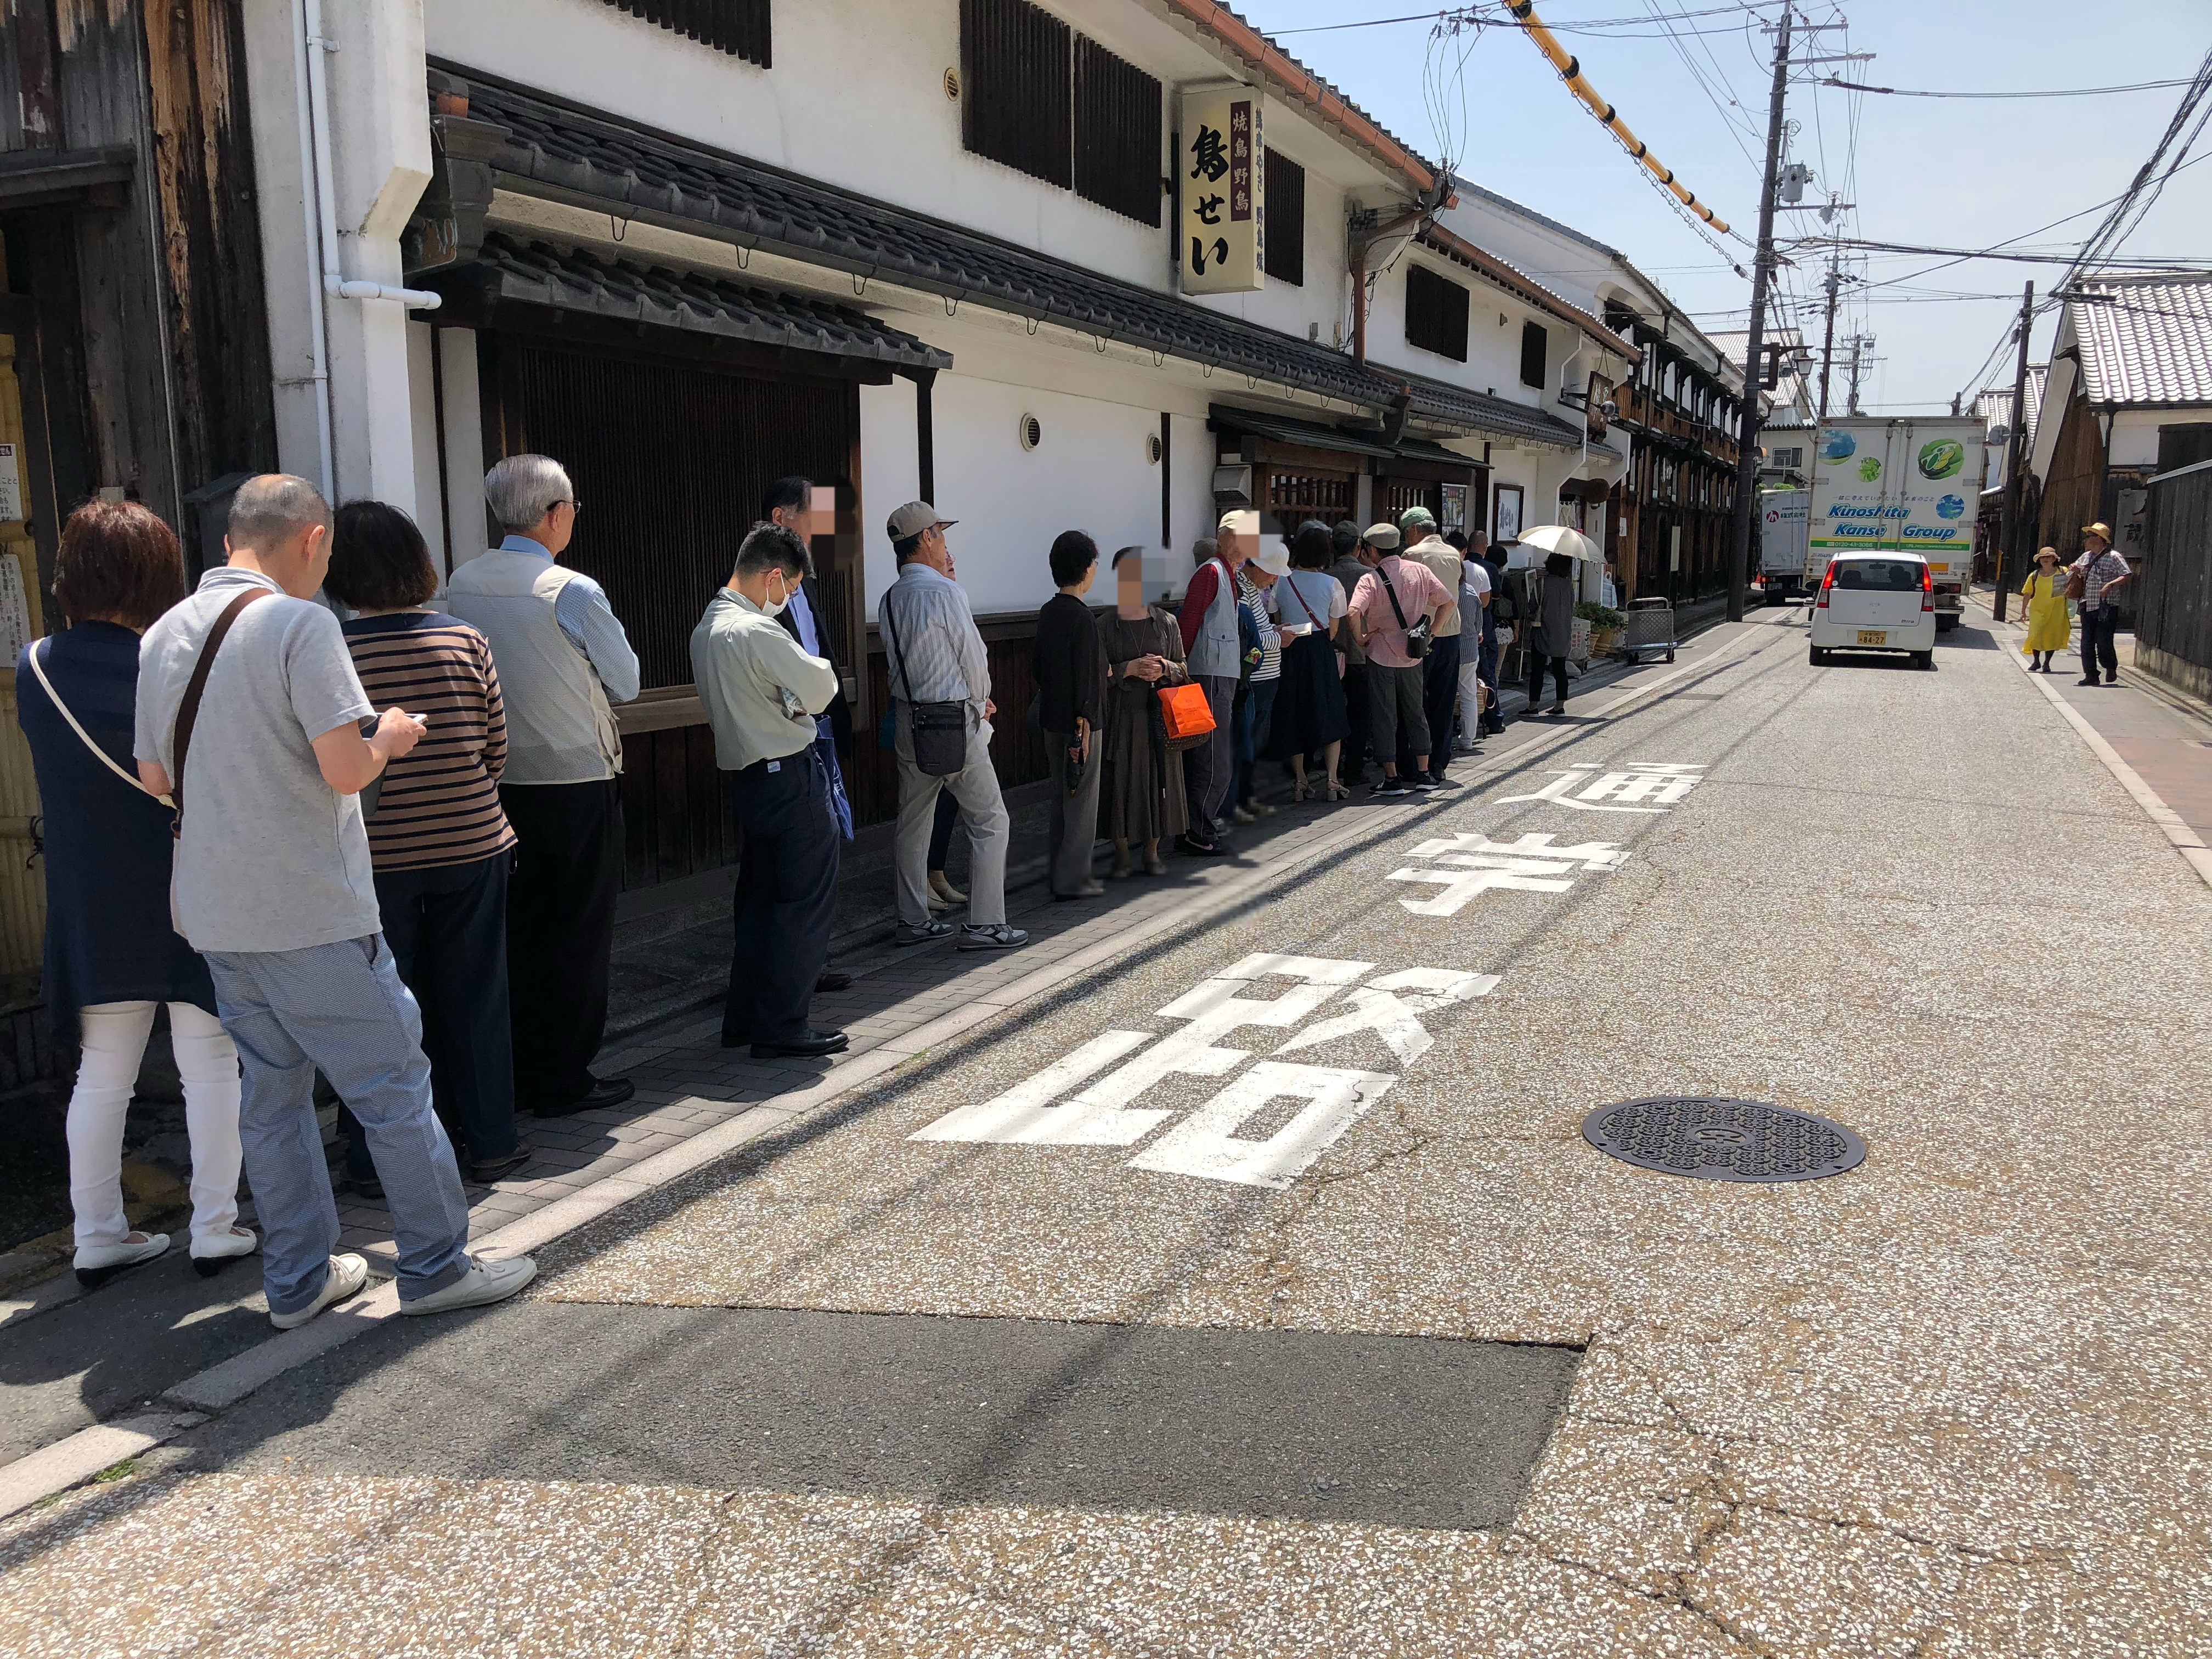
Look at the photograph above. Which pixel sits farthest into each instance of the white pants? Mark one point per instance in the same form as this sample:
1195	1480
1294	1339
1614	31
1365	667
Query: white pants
114	1042
1470	699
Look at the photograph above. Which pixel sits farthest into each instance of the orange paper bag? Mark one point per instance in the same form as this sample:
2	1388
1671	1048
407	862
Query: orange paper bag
1185	710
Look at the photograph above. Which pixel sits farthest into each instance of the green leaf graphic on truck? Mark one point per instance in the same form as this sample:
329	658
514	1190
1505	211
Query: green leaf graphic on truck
1942	458
1870	468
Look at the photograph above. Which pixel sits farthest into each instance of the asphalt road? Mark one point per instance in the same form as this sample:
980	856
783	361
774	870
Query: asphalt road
1213	1264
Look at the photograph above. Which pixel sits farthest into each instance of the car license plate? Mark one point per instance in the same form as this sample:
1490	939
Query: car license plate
1874	636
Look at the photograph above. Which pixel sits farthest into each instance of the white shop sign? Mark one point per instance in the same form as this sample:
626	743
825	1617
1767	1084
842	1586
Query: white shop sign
1070	1103
11	484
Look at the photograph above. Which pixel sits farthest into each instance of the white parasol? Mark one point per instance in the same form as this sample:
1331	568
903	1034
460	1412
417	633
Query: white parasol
1561	539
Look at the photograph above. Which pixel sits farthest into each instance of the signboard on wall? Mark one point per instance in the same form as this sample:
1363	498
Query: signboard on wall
1224	222
11	484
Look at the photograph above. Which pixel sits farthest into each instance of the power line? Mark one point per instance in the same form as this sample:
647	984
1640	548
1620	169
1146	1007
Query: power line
2061	92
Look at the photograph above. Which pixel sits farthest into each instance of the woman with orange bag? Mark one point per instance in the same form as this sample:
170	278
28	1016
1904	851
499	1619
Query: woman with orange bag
1142	785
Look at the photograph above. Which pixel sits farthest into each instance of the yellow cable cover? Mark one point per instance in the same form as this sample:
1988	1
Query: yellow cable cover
1524	12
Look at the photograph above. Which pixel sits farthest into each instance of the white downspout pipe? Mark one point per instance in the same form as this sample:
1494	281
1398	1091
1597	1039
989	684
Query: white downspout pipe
307	60
317	119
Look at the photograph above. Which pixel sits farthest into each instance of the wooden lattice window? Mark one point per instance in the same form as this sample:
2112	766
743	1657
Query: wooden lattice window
1294	497
1016	89
1118	148
1285	185
736	26
1436	314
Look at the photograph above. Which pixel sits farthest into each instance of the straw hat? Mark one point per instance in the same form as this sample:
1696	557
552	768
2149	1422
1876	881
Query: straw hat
2050	553
2098	528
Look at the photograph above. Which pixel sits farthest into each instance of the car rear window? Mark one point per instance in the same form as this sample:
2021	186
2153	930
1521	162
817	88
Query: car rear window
1879	575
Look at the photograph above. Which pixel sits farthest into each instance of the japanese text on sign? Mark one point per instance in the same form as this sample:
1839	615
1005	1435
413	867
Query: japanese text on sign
1223	187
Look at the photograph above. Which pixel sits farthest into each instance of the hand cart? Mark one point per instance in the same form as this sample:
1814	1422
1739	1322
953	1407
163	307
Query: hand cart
1650	627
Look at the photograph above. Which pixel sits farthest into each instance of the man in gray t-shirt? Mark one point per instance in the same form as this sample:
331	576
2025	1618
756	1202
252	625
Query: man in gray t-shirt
273	888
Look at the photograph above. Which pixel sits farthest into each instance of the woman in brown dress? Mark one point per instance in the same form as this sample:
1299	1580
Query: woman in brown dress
1142	785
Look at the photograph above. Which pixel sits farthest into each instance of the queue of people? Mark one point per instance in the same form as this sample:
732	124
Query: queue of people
404	844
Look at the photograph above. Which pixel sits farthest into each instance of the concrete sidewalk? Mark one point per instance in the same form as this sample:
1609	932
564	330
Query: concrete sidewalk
2161	734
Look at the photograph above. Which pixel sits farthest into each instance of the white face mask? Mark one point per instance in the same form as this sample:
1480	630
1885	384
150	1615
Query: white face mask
774	607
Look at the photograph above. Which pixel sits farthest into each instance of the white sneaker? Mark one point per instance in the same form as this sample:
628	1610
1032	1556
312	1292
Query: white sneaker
347	1275
96	1264
485	1282
213	1252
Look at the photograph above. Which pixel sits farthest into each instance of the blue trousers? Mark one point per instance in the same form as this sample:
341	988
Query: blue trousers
1440	696
1486	670
786	897
340	1007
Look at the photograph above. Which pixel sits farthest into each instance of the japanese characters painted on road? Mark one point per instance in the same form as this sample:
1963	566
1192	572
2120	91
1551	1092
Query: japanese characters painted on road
1069	1104
1644	787
1475	864
1223	243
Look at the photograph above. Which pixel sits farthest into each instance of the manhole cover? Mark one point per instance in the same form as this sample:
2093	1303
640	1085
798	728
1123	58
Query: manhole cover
1722	1140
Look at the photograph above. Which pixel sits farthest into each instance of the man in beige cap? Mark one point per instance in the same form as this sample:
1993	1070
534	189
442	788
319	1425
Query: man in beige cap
936	658
2102	572
1391	604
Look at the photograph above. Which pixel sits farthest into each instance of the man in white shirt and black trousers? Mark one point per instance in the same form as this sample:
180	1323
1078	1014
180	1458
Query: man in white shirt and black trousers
762	691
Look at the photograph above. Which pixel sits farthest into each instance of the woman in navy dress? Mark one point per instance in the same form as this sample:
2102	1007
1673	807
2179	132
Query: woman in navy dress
111	951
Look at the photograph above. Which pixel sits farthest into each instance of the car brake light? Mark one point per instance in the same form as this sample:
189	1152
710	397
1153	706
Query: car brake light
1826	582
1927	589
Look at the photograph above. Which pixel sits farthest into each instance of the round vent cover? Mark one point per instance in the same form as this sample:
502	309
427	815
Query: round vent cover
1032	432
952	84
1152	447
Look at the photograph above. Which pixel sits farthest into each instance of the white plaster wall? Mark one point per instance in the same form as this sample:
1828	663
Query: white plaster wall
286	216
467	517
422	414
2133	440
877	121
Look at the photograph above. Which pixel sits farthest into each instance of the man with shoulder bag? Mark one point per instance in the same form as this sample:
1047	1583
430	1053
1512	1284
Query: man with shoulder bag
1394	613
249	716
2091	581
941	709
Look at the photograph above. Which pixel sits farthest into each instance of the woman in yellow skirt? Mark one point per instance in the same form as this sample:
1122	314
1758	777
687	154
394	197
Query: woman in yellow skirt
2048	630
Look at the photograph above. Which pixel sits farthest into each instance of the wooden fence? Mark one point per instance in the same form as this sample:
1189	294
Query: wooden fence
2173	588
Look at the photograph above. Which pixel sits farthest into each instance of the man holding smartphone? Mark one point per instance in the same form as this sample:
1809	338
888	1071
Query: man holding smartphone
249	705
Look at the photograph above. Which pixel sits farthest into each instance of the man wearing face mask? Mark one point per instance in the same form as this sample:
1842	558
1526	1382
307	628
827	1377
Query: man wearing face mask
762	691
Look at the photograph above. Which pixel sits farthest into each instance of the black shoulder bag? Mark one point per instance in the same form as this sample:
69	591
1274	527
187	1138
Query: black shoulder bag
940	729
1417	636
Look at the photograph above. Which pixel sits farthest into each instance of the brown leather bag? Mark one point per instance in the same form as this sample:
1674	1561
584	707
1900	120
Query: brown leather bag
2077	583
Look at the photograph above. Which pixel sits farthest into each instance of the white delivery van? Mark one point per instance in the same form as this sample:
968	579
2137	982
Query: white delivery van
1782	543
1899	485
1876	602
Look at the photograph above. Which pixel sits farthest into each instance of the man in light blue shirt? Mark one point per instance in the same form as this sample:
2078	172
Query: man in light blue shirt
936	656
563	662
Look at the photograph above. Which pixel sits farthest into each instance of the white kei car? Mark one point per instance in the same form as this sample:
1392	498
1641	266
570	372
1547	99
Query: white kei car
1882	601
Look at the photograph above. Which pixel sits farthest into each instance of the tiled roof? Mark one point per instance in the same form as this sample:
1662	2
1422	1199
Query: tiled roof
2145	339
1349	441
1994	404
574	156
539	273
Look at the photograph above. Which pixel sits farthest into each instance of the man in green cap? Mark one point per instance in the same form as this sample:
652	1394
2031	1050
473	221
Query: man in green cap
1417	526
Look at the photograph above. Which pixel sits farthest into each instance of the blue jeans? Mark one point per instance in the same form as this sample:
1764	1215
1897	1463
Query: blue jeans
340	1007
786	897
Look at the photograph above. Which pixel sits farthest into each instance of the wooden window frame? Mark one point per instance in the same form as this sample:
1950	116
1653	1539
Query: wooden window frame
1011	112
1435	313
739	28
1534	334
1117	136
1284	193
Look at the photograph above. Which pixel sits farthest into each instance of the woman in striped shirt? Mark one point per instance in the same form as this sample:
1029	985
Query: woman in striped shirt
438	842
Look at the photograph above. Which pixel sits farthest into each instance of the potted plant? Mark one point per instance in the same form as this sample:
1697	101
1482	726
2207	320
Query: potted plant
1605	625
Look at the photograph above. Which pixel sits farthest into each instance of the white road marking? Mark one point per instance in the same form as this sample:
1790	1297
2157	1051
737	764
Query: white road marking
1378	1008
1025	1115
1664	782
1478	865
1205	1144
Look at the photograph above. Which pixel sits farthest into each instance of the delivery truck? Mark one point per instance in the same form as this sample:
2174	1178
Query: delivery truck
1782	551
1886	485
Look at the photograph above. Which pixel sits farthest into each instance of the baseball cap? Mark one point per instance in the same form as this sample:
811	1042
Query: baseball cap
1380	535
1416	516
1239	521
915	518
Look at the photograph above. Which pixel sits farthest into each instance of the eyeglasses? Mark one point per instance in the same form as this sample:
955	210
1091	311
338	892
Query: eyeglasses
573	507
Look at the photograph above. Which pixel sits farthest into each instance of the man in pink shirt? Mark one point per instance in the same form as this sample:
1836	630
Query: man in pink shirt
1394	610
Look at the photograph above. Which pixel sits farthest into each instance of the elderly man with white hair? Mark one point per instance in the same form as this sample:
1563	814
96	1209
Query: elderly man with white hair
563	660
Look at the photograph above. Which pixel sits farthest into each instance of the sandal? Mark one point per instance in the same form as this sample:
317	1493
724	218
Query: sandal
1301	792
1338	790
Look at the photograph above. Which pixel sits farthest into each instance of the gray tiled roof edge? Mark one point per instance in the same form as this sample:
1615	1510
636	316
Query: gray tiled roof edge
564	153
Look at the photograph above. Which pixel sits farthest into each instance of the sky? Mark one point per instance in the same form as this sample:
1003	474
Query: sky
1942	173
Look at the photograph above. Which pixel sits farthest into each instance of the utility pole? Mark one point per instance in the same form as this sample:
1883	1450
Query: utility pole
1762	273
1859	344
1833	282
2013	441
